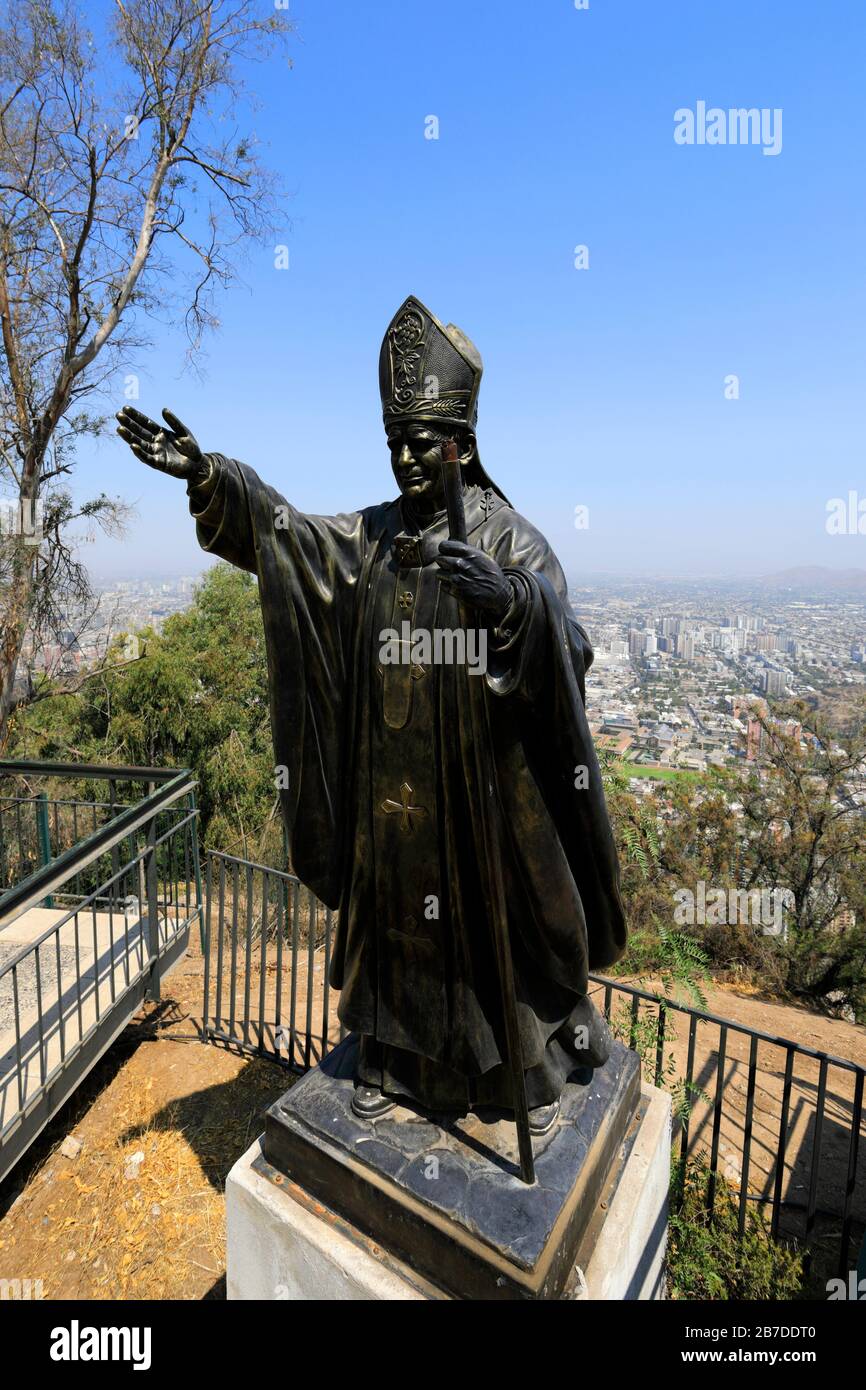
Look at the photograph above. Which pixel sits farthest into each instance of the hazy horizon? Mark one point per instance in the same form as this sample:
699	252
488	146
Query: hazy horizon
205	562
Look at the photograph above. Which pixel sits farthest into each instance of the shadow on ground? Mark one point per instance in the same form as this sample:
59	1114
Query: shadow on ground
219	1122
144	1028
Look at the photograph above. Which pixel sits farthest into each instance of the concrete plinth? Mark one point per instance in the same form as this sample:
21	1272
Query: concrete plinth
284	1244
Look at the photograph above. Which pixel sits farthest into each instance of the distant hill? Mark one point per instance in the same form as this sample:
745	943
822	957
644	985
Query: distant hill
817	579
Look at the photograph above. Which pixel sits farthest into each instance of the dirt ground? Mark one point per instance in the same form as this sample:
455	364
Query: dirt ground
107	1225
139	1213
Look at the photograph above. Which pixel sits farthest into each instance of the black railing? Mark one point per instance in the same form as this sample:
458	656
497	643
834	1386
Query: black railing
774	1117
86	935
779	1121
267	953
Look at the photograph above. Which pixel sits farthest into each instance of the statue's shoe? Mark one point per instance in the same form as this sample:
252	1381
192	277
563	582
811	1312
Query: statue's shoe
369	1102
543	1117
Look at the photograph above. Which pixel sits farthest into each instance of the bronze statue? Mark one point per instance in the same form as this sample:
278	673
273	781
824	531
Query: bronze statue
372	721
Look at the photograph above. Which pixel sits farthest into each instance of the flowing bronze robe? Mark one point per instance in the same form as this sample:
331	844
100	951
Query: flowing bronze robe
381	795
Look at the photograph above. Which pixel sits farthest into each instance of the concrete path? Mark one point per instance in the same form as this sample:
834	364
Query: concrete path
84	966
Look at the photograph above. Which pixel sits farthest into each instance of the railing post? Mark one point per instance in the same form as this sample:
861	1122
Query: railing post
116	889
152	890
43	834
196	862
5	880
206	940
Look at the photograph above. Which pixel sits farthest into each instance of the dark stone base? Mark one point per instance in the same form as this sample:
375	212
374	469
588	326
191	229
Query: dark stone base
444	1194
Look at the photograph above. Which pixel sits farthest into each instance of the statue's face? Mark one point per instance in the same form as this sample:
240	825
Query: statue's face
416	458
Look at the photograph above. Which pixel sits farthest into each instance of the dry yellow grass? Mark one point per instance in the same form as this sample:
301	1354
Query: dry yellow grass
88	1230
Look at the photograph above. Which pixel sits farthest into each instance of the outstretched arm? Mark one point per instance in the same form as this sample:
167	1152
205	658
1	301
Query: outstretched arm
239	517
217	497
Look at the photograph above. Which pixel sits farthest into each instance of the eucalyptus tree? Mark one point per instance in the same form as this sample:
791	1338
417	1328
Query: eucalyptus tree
127	187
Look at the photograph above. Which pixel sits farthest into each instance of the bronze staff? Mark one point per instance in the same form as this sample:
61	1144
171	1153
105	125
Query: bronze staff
491	819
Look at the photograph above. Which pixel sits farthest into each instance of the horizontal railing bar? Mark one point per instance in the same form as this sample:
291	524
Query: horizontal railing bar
237	1040
178	825
266	868
45	880
100	771
743	1028
30	946
85	902
60	801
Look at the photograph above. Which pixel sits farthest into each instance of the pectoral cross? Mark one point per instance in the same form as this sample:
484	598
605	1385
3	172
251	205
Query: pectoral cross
403	808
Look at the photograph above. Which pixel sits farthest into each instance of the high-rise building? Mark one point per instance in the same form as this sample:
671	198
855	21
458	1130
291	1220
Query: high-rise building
774	682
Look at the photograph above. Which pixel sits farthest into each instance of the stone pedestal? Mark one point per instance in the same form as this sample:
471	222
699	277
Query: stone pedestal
326	1206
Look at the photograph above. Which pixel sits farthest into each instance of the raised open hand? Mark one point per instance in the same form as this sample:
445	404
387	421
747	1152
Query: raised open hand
173	450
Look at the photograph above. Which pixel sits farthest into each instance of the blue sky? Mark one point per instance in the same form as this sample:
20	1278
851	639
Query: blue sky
603	387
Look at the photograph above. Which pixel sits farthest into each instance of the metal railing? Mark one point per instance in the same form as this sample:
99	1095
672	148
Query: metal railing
48	808
86	935
775	1117
267	953
36	828
780	1121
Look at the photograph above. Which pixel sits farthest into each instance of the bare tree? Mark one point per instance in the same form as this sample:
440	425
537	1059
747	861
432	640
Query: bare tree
125	184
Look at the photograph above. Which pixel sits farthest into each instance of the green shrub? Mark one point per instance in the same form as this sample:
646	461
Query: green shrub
708	1259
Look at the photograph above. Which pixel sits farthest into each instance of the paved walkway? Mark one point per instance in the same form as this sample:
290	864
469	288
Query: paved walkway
83	967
